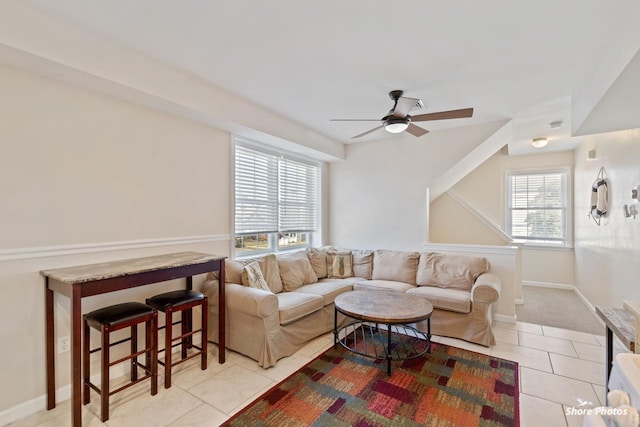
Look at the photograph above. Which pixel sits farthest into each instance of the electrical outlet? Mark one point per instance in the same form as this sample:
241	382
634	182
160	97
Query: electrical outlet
64	344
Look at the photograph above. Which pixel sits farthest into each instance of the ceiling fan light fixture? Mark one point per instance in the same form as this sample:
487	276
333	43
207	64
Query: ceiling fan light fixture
396	125
539	142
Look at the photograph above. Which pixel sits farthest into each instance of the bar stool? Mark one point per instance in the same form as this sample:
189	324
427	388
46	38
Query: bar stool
181	301
111	319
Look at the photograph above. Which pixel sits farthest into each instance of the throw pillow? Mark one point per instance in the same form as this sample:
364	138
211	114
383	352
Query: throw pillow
268	266
253	278
340	265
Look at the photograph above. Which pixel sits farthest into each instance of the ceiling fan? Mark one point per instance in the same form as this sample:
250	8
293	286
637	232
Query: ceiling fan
398	119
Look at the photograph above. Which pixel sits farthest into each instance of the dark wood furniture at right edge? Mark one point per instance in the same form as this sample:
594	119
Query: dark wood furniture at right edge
621	323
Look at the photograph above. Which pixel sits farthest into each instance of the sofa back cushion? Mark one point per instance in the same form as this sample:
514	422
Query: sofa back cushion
395	265
296	270
362	263
268	266
318	259
450	271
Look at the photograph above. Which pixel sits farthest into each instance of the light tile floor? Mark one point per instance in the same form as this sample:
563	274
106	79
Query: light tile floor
559	369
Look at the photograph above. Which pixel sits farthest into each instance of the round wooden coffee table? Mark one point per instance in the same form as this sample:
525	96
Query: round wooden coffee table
379	311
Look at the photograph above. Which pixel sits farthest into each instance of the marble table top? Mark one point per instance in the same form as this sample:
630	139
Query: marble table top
106	270
383	306
621	323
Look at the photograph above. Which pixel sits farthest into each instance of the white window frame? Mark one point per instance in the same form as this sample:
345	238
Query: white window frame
313	238
567	243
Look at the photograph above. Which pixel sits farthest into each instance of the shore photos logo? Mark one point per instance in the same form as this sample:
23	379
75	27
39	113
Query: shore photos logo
620	412
606	411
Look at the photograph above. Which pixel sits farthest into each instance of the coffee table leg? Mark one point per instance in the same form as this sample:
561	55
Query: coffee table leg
335	328
429	334
389	349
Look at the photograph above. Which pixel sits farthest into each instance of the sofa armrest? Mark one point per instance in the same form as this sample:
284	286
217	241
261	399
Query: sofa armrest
487	289
252	301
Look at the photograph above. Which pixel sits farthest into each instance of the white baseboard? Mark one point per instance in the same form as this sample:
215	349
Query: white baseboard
63	393
549	285
504	318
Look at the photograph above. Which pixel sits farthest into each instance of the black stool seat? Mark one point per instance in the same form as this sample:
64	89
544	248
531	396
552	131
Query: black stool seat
117	314
182	296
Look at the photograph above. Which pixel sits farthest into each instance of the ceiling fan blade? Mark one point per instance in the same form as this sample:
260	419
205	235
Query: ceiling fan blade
416	130
404	106
354	120
441	115
367	132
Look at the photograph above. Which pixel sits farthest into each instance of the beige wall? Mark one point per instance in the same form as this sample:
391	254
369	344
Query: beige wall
100	179
378	193
606	259
484	189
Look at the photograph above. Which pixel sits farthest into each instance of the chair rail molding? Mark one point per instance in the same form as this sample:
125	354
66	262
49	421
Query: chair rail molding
49	251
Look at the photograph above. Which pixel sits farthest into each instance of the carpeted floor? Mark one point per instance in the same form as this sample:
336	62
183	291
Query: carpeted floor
559	308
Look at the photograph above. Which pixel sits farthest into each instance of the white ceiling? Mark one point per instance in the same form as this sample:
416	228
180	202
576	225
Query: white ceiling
313	61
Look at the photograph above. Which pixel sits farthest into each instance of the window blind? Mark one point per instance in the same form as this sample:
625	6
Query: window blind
256	192
538	207
298	193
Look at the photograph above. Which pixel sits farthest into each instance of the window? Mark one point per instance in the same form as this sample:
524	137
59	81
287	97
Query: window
276	201
538	207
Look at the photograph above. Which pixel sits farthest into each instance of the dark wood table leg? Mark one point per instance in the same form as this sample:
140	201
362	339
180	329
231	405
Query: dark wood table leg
222	328
187	323
76	356
609	355
50	347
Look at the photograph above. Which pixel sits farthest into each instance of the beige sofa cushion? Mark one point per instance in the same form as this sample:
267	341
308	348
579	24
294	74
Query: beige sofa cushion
362	263
395	265
318	259
445	299
450	271
296	270
294	305
268	265
340	265
329	289
382	285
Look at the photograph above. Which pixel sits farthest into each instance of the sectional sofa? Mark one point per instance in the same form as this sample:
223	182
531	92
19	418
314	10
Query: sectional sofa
275	304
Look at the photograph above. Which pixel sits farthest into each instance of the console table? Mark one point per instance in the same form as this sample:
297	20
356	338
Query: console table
94	279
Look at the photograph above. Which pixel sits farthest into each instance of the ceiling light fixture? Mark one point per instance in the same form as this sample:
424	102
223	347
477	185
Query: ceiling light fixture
396	124
539	142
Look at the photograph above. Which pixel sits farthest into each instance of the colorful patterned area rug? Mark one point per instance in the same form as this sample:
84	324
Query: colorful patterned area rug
447	387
